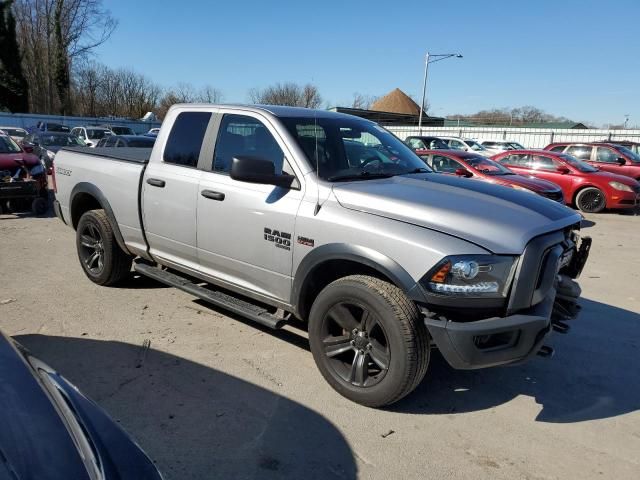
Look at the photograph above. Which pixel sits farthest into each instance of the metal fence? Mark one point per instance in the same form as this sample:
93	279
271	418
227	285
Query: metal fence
528	137
26	120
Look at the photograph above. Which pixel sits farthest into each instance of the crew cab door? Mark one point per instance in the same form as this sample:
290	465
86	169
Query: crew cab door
170	191
245	230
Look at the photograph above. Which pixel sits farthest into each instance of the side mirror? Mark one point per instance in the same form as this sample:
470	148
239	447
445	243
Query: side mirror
463	172
622	161
258	170
563	170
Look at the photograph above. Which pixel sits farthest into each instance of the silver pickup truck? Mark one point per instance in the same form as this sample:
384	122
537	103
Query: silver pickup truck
292	215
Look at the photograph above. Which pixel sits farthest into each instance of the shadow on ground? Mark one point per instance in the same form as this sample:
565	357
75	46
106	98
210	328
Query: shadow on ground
195	421
593	375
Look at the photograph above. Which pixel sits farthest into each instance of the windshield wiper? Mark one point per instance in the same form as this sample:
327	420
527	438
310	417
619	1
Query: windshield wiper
360	176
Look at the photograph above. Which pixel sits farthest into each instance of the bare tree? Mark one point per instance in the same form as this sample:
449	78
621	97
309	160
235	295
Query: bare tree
49	30
209	94
363	102
290	94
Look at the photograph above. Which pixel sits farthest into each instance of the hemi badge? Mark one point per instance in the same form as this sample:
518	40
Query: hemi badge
306	241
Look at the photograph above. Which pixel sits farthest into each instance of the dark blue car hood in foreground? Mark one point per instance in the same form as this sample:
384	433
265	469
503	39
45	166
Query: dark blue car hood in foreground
47	426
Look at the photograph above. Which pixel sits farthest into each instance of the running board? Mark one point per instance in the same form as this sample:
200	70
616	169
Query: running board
240	307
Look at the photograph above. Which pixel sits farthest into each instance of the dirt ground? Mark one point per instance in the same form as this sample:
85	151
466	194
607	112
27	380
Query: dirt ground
218	397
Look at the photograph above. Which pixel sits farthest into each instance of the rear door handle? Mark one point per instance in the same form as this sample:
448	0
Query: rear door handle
219	196
156	182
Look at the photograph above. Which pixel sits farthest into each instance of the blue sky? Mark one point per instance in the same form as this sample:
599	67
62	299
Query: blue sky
580	59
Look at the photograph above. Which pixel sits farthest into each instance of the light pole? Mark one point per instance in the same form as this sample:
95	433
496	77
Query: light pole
431	58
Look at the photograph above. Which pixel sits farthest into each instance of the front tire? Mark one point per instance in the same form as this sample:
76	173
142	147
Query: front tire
102	260
591	200
368	340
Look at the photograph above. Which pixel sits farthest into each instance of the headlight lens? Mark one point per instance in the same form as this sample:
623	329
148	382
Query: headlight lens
471	276
621	186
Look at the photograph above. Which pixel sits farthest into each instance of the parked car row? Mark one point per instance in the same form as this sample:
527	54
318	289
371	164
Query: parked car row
589	176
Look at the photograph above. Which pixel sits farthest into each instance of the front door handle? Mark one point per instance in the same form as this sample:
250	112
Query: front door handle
156	182
219	196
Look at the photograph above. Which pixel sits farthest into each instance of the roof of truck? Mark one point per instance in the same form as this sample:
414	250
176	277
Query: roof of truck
277	110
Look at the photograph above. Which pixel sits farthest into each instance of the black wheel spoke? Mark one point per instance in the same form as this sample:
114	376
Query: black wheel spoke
368	321
343	317
336	345
87	241
358	373
379	355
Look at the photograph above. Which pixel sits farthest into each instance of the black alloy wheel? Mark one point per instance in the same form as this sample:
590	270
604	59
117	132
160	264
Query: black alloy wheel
92	249
355	344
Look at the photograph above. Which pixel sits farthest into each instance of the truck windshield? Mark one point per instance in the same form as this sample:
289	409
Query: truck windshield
352	149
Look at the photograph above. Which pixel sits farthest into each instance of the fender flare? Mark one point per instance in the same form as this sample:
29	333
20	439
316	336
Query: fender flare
355	253
95	192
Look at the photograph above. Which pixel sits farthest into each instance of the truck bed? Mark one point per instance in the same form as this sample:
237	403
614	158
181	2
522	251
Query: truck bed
136	155
114	176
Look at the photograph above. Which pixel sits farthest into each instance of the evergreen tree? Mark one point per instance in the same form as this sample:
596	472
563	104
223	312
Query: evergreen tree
14	91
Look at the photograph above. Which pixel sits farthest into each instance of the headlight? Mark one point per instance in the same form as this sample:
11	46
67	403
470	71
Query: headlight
471	276
621	186
50	154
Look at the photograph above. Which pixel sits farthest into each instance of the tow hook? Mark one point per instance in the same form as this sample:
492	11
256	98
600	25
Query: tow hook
546	351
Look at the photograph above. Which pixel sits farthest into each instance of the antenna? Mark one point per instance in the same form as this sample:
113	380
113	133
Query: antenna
315	136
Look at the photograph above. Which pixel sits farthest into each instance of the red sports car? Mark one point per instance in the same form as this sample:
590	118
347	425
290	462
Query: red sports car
472	165
584	186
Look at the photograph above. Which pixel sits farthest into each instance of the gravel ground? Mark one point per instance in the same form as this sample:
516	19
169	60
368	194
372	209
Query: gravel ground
217	397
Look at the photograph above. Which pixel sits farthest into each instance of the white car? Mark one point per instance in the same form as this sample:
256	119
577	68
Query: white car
16	133
499	146
466	144
91	135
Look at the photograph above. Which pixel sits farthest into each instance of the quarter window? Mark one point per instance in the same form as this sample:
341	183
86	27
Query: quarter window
582	152
185	139
417	143
241	135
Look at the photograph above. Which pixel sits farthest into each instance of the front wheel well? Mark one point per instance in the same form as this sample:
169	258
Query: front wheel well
578	190
82	203
327	272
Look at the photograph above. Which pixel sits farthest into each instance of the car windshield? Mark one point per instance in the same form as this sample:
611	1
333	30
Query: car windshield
635	158
61	141
7	145
352	149
578	164
96	134
486	166
475	146
514	146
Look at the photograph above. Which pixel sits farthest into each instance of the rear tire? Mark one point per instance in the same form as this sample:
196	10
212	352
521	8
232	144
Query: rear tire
591	200
368	340
101	258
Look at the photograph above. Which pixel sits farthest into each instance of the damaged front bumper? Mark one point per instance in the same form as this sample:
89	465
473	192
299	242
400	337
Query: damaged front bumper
513	338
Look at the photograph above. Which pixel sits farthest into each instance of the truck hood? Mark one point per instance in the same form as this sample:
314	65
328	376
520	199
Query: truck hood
499	219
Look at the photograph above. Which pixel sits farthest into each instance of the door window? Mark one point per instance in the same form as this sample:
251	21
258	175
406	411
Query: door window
541	162
241	135
416	143
186	137
583	152
457	145
444	164
517	160
606	155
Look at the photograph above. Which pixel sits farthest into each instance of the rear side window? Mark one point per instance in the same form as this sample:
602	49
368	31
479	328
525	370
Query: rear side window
517	160
185	139
582	152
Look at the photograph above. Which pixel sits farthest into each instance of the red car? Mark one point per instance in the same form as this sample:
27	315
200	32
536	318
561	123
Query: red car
472	165
606	156
584	186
